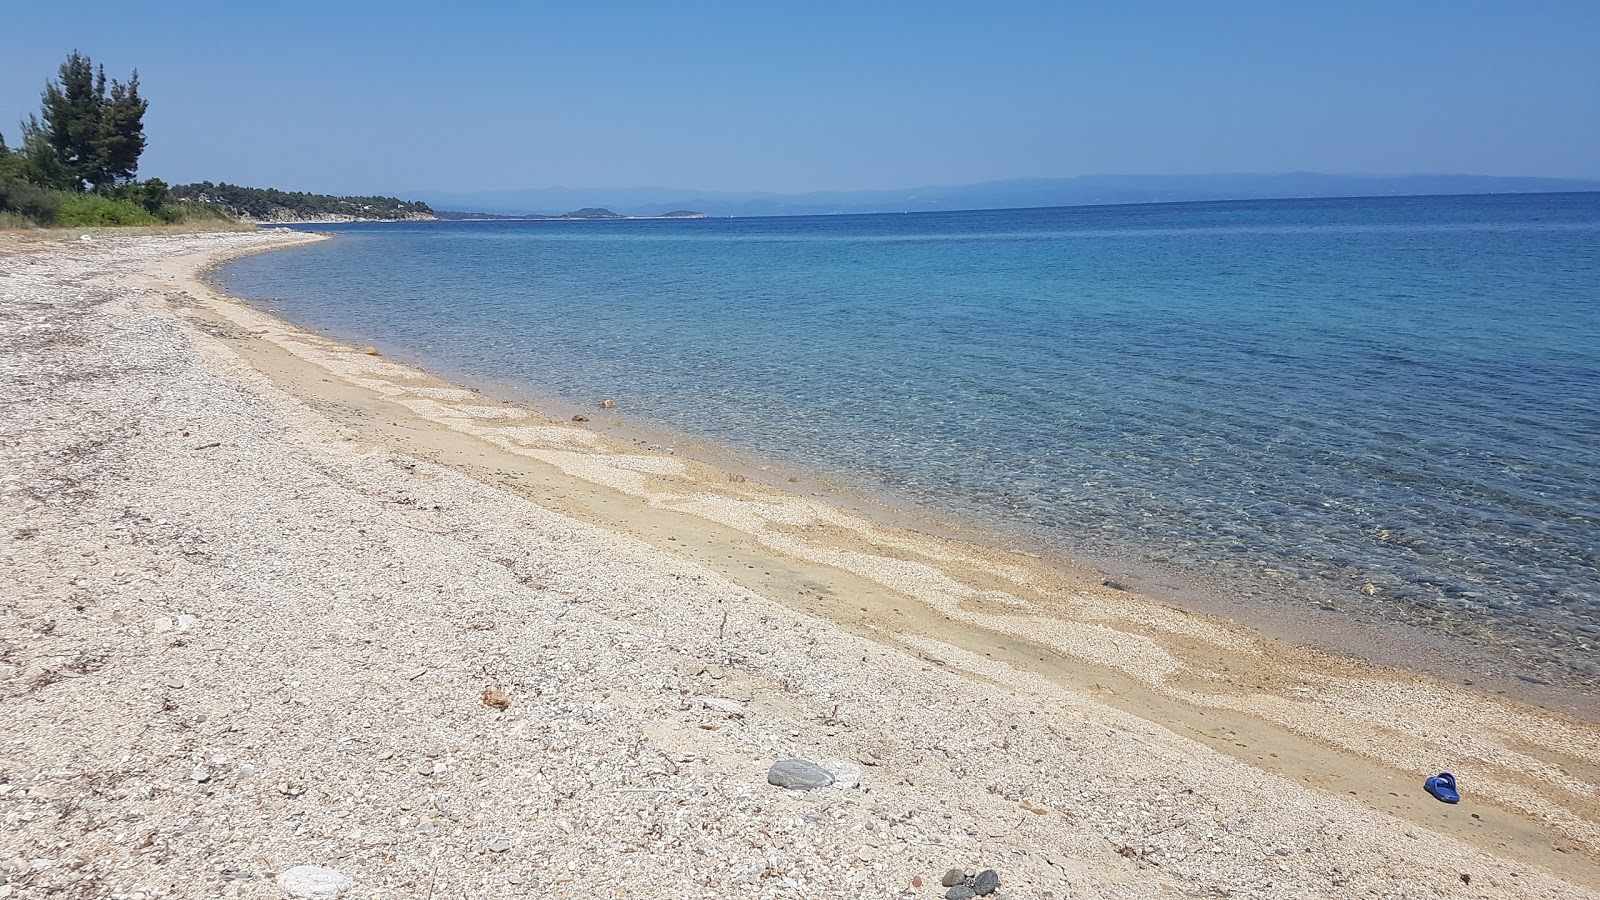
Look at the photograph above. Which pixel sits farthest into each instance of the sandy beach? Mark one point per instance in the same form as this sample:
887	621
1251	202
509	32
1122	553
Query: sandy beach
272	601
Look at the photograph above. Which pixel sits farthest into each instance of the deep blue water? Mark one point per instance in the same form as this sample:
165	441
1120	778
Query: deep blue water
1302	398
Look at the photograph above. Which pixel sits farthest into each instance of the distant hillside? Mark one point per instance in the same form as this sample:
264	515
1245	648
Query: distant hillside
272	205
1087	190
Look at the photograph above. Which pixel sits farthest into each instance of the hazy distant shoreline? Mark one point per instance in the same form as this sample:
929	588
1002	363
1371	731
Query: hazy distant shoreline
1025	193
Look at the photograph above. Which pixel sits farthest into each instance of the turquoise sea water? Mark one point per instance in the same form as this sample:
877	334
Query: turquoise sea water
1296	398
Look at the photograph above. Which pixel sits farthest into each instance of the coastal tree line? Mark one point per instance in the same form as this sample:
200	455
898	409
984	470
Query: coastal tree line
76	163
270	203
77	159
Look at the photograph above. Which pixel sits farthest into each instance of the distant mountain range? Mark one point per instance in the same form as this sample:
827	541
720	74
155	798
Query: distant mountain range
1086	190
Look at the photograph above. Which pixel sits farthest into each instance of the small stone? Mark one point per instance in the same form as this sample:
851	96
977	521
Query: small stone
607	404
960	892
200	774
731	708
371	351
187	622
500	845
580	418
953	878
798	775
314	882
175	683
846	775
987	882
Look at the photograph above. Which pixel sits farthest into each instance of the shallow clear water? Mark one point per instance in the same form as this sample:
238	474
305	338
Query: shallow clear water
1388	404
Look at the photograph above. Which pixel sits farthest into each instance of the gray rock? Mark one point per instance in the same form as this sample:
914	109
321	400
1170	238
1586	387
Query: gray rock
960	892
798	775
987	882
953	878
500	845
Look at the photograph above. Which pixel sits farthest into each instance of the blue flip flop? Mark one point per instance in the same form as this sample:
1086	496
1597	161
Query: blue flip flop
1443	788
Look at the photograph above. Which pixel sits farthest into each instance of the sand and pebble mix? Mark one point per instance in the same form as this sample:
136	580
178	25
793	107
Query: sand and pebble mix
244	653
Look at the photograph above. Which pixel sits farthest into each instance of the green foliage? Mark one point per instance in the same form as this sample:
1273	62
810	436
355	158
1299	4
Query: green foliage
94	128
26	203
272	204
86	210
190	212
152	194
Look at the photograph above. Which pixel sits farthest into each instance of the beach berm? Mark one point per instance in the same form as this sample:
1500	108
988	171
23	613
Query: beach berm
272	602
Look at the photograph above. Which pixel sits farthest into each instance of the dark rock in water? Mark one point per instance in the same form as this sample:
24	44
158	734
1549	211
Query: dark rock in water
960	892
953	878
987	882
1113	584
580	418
798	775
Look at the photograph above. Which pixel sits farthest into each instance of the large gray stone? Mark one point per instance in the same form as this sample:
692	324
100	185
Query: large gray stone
798	775
987	882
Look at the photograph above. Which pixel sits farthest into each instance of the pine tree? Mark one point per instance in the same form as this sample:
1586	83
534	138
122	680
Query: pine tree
96	131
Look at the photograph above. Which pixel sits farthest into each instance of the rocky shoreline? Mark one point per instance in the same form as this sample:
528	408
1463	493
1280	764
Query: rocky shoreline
290	218
289	618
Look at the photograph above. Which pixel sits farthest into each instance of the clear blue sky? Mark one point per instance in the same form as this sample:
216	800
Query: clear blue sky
396	96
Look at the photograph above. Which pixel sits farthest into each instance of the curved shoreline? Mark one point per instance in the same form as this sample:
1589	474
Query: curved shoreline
974	579
1102	696
1299	617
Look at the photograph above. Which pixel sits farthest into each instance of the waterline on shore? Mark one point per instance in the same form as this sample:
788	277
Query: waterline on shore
1310	416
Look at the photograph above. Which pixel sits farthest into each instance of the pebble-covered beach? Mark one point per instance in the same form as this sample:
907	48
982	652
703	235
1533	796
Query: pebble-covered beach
250	650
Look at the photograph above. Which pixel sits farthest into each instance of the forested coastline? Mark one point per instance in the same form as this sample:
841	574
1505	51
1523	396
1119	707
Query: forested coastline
272	205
